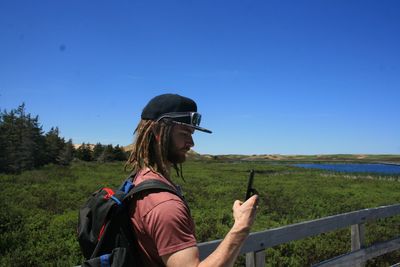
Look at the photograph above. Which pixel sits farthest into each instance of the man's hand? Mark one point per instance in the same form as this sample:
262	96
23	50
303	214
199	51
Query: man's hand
245	213
227	252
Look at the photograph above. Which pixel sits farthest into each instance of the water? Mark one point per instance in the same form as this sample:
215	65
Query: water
354	167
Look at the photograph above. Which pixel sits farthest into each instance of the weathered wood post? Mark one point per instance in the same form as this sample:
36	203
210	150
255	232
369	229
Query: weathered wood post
358	239
255	259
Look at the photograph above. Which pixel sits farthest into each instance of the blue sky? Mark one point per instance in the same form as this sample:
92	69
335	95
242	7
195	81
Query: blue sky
269	77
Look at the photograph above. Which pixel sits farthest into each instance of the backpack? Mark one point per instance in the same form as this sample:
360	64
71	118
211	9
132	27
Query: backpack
105	232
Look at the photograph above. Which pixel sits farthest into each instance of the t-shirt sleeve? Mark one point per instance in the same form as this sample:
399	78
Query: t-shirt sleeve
170	226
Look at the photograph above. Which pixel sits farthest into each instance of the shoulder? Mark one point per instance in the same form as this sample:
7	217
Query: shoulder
171	226
158	201
170	211
163	217
147	174
149	200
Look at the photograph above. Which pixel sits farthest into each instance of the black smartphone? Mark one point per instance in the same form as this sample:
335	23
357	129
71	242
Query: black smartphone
250	190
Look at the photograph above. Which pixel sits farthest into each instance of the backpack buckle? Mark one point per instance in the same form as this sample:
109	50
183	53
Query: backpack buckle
110	194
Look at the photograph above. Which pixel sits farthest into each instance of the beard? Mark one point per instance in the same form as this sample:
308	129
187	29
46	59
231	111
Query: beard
176	156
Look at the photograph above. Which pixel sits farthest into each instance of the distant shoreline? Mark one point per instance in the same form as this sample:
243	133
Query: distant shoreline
359	158
389	163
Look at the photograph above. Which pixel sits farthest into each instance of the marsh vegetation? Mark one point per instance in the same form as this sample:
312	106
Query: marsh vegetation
39	207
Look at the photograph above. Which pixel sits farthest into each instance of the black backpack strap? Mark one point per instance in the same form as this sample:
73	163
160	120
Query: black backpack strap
155	185
152	184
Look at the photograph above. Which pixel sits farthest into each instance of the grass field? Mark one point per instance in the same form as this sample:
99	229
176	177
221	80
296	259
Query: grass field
39	208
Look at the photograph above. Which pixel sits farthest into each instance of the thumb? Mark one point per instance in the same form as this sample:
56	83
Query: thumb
237	204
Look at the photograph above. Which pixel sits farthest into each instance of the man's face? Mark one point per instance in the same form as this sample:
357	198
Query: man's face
180	143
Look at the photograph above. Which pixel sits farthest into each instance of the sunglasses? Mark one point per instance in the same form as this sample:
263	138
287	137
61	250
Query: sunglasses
191	118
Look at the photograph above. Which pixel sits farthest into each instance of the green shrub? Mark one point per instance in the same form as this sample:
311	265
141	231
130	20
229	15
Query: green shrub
38	209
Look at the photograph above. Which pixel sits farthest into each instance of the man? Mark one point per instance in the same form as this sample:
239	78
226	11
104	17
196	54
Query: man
161	220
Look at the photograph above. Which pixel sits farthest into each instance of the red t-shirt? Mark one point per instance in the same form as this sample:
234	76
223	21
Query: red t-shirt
161	221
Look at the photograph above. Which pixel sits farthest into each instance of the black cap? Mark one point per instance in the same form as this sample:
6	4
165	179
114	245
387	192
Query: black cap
167	103
170	103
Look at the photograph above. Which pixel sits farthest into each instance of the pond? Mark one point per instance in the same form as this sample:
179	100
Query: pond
354	167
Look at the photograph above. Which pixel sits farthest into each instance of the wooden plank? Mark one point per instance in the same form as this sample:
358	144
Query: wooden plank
206	248
362	255
277	236
358	239
260	258
255	259
269	238
357	236
251	259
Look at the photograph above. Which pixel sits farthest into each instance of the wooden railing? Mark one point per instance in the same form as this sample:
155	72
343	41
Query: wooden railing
257	242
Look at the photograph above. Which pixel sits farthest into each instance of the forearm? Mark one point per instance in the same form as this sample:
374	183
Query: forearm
227	252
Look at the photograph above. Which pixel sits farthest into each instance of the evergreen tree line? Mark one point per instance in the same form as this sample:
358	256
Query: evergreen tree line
101	153
24	145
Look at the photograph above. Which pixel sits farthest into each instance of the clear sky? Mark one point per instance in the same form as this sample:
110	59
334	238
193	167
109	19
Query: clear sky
269	77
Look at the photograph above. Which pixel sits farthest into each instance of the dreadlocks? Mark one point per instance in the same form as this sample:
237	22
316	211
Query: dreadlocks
150	148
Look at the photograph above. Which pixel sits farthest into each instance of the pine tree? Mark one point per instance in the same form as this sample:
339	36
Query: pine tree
4	159
67	154
84	152
119	153
54	145
24	146
19	142
22	141
97	151
107	154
